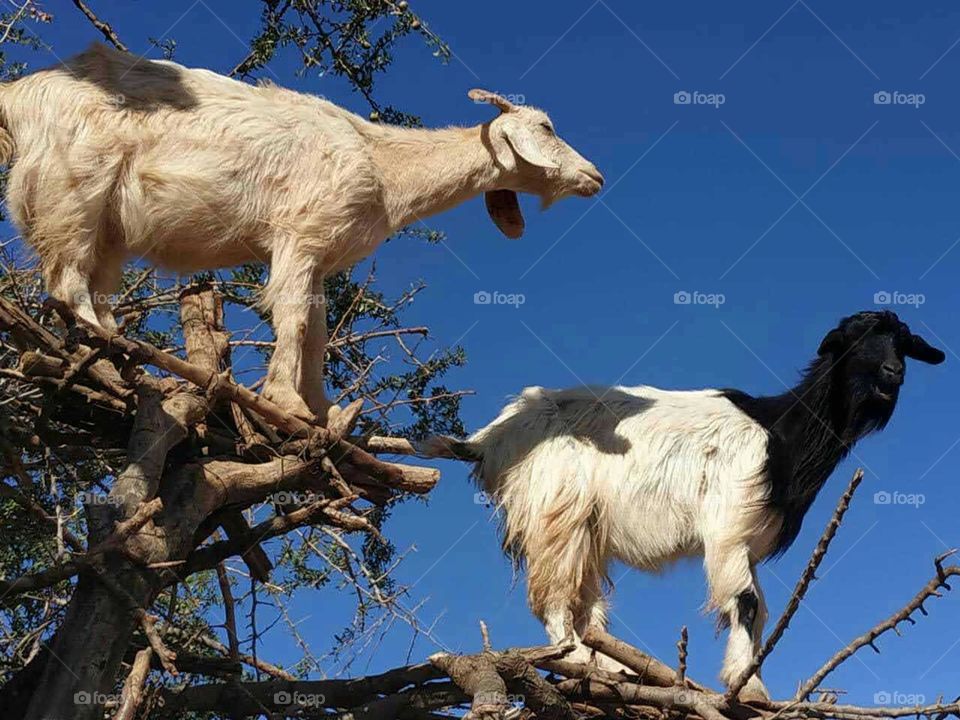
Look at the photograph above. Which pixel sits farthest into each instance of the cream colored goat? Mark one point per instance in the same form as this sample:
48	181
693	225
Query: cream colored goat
117	157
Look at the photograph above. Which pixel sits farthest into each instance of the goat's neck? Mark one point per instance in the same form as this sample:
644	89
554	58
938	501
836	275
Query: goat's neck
809	434
428	171
815	425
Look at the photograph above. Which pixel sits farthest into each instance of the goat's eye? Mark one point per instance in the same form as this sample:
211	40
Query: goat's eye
547	126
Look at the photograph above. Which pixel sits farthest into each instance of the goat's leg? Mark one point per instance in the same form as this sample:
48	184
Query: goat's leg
315	347
103	285
72	286
556	570
287	296
592	612
738	598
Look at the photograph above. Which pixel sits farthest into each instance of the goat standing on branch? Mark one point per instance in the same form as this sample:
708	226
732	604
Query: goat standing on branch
117	156
648	476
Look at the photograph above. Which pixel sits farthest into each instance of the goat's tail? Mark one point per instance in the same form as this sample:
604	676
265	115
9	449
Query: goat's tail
444	446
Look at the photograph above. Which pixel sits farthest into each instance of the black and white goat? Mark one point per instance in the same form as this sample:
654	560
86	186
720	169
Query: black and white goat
647	476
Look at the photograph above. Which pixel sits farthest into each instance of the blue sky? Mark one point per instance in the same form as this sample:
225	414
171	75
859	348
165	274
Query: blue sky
798	199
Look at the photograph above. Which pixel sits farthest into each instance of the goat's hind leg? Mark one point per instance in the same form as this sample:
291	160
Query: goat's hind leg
592	612
556	573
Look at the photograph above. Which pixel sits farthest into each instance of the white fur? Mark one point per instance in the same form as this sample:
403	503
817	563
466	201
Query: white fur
118	157
639	474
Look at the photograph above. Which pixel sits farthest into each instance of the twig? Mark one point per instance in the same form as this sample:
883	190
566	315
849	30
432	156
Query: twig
166	655
100	25
650	670
931	589
682	657
132	695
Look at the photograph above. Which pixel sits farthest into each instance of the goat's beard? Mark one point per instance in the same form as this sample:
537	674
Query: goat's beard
869	413
548	199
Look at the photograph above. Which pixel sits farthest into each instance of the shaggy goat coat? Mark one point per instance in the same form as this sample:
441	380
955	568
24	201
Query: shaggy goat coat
644	475
119	157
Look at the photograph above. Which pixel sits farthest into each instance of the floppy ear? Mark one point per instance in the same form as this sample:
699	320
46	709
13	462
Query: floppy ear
525	144
920	349
479	96
504	210
832	343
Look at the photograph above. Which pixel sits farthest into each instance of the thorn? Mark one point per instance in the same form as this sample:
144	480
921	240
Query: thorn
938	562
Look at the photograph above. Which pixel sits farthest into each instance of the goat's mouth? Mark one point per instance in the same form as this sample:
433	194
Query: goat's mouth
590	182
885	393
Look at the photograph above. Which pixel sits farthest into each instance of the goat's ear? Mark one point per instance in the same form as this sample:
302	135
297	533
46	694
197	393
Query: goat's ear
504	210
525	144
485	96
832	343
920	349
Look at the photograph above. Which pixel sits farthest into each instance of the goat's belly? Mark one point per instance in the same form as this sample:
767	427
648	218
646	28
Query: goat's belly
653	533
189	252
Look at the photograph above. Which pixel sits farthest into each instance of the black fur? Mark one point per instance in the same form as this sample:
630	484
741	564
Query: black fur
748	605
847	392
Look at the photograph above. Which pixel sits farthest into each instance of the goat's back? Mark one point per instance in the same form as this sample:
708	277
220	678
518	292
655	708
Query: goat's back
183	154
654	469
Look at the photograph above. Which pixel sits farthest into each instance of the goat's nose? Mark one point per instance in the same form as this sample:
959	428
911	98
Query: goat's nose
892	372
595	174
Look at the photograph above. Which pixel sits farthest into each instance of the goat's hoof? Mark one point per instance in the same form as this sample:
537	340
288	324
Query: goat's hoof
567	646
290	401
331	413
754	692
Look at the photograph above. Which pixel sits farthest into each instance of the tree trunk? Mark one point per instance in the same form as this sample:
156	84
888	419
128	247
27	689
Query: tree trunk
83	659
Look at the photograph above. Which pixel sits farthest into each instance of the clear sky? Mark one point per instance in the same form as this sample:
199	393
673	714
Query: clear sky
798	199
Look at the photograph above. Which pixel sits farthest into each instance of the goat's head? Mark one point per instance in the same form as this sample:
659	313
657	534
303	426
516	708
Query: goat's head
868	352
533	159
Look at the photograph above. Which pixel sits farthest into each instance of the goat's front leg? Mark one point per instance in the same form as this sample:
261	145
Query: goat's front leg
738	598
287	296
315	348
